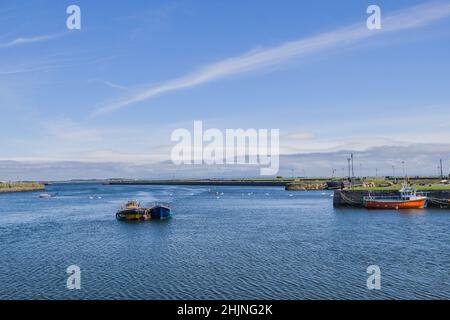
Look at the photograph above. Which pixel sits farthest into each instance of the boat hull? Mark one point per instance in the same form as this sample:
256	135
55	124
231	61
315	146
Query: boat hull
136	214
160	212
407	204
132	215
335	185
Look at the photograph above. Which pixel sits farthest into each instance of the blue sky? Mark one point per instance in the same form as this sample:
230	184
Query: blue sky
75	95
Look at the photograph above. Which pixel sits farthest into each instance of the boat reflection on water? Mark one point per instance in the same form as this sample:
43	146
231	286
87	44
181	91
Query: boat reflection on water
132	211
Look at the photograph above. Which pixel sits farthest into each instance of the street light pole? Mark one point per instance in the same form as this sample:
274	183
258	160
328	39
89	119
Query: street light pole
405	173
353	167
349	170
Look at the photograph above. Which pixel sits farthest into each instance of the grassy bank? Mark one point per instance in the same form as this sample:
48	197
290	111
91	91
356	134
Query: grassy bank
20	186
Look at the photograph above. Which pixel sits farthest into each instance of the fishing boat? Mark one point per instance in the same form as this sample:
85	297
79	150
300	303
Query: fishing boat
160	211
132	210
409	198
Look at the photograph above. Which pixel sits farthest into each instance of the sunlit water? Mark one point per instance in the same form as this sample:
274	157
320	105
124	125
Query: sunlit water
249	243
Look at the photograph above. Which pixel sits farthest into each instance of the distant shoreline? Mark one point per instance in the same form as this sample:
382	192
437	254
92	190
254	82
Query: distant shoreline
291	184
208	182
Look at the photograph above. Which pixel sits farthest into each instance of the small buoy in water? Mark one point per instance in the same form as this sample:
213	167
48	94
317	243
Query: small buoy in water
99	197
267	194
291	195
91	197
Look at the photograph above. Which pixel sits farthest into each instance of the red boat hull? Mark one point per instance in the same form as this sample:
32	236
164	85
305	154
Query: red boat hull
412	204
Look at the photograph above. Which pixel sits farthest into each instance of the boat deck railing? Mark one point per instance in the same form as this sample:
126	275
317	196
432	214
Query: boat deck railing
368	198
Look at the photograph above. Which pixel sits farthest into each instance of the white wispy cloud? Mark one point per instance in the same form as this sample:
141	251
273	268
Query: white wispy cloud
48	64
34	67
414	17
110	84
115	85
25	40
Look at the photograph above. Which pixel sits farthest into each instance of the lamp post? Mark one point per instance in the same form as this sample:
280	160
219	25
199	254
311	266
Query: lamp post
405	173
349	170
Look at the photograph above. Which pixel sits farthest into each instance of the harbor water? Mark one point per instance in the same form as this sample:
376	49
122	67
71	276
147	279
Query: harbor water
222	243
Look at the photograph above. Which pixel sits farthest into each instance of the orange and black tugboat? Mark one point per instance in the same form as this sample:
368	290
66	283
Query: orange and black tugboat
409	198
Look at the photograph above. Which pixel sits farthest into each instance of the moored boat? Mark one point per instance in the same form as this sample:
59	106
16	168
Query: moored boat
132	210
160	211
44	196
409	199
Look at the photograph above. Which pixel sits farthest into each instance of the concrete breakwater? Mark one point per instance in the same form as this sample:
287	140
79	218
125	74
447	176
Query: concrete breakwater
354	198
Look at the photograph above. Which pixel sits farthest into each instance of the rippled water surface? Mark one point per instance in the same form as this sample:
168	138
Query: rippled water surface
249	243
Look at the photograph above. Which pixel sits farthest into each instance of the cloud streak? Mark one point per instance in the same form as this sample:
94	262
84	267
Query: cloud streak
51	64
414	17
109	84
23	41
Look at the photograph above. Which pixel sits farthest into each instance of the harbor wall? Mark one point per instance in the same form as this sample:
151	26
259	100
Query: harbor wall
354	198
